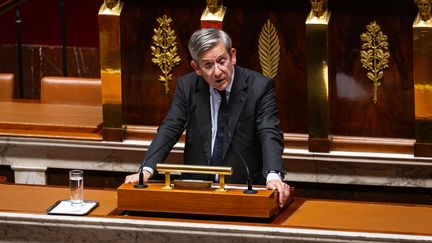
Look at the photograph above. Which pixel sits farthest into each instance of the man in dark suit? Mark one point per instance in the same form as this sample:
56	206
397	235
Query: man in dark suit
222	105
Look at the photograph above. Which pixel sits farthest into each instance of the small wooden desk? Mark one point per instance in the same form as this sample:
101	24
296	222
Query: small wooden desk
24	118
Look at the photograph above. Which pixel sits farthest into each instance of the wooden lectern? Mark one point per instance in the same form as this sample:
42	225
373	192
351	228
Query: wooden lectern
232	202
157	197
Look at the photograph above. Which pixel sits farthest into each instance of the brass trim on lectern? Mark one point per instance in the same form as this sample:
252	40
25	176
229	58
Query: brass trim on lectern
110	65
196	169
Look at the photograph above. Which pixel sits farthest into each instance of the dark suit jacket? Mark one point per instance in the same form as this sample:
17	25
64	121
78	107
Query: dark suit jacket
253	124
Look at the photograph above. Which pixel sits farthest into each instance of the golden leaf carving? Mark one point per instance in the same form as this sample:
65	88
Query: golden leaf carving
374	55
269	50
164	50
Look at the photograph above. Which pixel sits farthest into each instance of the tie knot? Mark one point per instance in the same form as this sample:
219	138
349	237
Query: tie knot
222	93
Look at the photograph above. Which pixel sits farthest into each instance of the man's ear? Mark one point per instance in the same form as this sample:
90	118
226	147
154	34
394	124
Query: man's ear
233	56
195	66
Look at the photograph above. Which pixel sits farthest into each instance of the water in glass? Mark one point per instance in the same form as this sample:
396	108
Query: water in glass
76	185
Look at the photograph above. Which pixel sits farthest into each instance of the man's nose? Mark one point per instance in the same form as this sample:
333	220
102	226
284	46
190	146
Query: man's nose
217	69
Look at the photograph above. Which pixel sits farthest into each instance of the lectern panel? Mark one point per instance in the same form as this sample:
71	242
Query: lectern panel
209	202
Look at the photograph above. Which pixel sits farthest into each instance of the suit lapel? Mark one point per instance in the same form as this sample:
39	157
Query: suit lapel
202	101
235	105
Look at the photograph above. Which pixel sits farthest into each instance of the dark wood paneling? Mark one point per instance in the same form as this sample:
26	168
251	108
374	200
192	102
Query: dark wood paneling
353	112
101	179
40	23
362	193
244	23
6	174
144	100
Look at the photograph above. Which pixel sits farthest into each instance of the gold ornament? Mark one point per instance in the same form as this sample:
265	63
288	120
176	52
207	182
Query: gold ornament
164	50
374	56
269	50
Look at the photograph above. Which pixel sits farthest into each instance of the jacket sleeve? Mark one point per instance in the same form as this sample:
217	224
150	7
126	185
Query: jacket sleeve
171	129
268	129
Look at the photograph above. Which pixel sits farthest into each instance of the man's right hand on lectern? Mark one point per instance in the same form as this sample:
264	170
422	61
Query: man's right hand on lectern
135	177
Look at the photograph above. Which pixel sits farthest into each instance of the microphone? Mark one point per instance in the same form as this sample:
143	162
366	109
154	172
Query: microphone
141	184
249	189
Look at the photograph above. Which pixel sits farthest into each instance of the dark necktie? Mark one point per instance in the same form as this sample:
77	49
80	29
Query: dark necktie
216	158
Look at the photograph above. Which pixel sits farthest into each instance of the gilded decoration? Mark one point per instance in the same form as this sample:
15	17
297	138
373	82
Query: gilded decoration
374	55
111	7
319	12
214	11
424	15
164	50
269	50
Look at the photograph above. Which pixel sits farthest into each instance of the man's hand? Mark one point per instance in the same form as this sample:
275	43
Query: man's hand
134	178
282	188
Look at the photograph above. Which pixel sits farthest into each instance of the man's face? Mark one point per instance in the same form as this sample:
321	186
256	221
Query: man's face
216	66
424	8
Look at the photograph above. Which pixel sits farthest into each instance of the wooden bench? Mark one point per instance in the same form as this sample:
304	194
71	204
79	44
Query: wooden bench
71	90
36	119
6	86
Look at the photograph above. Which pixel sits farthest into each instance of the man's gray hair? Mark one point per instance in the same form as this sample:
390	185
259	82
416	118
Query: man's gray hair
205	39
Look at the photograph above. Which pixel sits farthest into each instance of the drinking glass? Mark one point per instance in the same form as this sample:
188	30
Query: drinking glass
76	186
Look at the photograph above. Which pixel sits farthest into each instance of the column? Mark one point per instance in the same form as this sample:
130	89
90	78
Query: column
110	63
318	77
422	63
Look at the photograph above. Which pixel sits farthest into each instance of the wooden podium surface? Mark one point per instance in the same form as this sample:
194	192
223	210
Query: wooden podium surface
302	213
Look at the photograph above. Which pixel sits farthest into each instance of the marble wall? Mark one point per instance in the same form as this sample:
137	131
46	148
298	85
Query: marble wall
40	61
17	227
